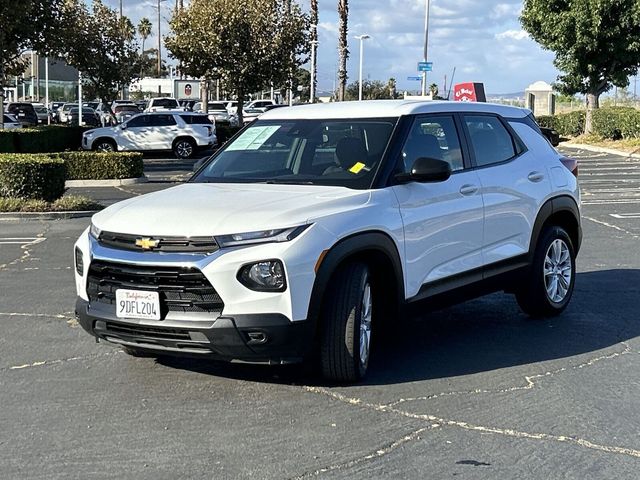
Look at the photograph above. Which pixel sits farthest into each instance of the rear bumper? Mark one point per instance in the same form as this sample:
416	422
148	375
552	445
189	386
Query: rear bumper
258	338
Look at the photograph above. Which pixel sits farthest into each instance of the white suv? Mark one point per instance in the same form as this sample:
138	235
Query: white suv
184	133
306	233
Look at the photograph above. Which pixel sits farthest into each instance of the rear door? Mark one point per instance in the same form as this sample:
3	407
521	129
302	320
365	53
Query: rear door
514	185
137	134
443	222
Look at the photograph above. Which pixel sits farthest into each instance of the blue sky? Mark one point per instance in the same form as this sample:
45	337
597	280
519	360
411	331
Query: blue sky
483	39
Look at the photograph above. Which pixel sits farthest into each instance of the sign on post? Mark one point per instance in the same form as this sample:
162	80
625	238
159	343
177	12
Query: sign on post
425	66
414	79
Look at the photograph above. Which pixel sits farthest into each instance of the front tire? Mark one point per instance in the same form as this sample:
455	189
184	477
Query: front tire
549	286
346	325
105	146
184	148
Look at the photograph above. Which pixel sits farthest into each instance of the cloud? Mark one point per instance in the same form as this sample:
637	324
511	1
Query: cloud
482	39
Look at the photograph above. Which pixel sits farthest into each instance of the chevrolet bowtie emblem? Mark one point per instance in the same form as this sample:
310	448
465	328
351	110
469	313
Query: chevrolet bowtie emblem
147	243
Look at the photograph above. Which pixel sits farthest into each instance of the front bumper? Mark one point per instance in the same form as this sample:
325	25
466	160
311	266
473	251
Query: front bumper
259	338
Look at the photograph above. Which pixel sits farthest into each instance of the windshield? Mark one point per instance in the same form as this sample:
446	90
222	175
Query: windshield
126	108
343	153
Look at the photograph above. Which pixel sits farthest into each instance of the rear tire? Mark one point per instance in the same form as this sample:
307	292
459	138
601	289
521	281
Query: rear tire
184	148
346	324
548	288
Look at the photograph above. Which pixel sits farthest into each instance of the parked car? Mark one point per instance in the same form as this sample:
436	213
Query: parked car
89	117
63	111
125	111
259	105
141	104
106	115
231	106
317	224
163	104
43	113
551	135
23	112
250	115
217	112
10	122
181	132
115	103
187	103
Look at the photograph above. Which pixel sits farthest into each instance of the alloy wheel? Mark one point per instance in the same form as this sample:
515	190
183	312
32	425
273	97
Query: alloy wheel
557	271
365	325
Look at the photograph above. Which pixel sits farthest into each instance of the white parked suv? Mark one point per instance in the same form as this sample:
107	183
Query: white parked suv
183	133
304	235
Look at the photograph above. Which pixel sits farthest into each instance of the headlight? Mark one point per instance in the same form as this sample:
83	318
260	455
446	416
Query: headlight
263	236
79	261
95	231
265	276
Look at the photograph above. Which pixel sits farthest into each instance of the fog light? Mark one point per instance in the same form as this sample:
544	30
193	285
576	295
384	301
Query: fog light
79	262
266	276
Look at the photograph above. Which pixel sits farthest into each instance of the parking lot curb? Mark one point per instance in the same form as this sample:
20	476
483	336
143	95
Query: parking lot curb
46	215
592	148
105	183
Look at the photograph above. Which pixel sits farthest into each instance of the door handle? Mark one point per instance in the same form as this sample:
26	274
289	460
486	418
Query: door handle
536	177
468	190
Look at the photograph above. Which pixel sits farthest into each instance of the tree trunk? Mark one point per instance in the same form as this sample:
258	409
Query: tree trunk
204	95
314	38
343	50
240	107
142	58
2	97
593	102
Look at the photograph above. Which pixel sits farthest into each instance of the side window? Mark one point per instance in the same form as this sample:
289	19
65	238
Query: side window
492	142
139	121
433	137
162	121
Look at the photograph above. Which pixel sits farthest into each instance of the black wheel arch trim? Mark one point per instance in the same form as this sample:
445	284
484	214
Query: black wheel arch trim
349	247
563	203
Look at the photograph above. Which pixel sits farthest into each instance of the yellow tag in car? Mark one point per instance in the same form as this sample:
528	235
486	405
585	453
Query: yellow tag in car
357	167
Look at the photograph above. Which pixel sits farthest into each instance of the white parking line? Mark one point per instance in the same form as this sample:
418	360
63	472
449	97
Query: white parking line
21	240
625	215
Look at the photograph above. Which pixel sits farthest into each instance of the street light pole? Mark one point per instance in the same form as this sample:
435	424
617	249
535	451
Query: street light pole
362	38
46	88
426	45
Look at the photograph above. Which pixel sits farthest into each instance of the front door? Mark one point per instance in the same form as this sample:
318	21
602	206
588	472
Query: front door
443	221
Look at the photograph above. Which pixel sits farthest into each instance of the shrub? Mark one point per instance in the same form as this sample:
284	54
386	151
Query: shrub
102	166
615	123
32	176
68	203
45	139
567	124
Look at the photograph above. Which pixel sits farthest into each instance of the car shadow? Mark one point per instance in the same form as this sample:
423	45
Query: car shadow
478	336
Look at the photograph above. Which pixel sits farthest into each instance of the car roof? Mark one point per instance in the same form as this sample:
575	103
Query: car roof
388	109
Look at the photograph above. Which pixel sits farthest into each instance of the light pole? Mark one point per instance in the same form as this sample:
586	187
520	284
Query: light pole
426	45
362	38
312	89
46	88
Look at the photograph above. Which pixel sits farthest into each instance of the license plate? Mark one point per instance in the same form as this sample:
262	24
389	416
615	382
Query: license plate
137	304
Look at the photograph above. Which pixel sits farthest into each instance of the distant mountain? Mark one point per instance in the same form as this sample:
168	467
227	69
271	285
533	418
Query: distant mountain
506	96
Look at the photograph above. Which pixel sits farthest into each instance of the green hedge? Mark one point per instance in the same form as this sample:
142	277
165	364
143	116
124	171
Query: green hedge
616	123
566	124
32	176
102	166
45	139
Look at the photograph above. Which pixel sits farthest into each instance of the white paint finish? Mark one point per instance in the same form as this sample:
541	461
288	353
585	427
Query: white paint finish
442	229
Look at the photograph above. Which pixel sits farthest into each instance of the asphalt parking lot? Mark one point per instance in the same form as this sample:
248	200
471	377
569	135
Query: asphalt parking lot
476	391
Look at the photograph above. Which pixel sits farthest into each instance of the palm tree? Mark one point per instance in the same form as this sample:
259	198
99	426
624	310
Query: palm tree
343	50
314	38
144	29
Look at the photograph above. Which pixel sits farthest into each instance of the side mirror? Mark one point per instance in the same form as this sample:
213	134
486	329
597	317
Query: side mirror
426	170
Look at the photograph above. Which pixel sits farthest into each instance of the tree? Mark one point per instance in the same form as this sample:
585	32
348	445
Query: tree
434	90
596	42
314	38
343	47
103	47
248	45
144	30
149	64
26	25
371	90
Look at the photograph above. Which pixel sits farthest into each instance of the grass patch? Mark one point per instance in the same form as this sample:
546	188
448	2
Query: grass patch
630	145
70	203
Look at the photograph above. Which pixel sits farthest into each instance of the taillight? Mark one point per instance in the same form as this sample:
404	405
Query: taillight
571	164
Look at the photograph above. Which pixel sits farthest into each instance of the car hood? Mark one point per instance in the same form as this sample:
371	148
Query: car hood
203	209
101	131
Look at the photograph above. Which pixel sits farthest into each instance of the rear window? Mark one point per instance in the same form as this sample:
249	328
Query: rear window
217	106
165	102
126	108
196	119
